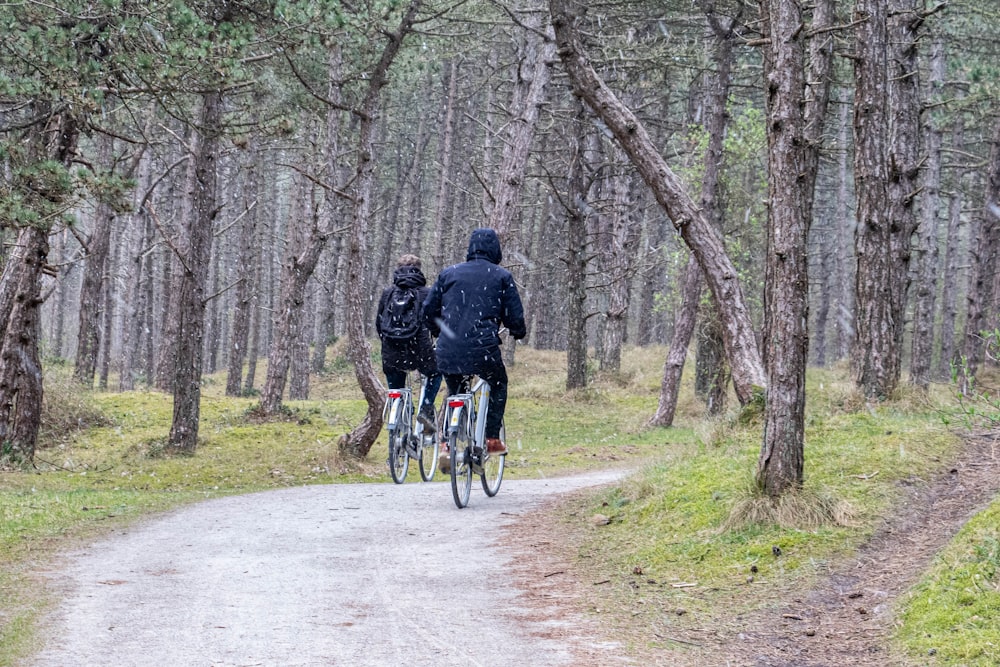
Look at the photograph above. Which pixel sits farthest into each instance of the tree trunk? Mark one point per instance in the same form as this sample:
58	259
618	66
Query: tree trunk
442	201
875	357
246	289
20	365
533	74
952	261
359	441
922	345
717	371
296	271
985	255
619	250
108	300
793	138
21	390
98	242
673	367
195	265
576	208
704	241
904	153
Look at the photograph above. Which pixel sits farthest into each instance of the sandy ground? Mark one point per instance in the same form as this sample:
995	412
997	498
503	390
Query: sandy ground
366	574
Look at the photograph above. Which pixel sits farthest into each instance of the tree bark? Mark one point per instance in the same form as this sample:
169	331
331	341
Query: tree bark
20	366
194	266
926	272
297	268
576	209
793	137
904	153
673	367
359	441
952	259
875	357
21	389
985	255
246	289
533	74
704	241
98	243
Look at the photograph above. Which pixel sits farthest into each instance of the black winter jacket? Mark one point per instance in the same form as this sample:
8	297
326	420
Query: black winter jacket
418	352
469	303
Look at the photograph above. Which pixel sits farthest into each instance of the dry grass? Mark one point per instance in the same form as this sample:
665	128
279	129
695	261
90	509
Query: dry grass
797	510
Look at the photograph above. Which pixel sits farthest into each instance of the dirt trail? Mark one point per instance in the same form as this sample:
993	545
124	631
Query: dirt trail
846	620
366	574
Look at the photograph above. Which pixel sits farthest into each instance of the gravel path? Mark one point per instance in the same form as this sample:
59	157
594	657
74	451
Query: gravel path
356	574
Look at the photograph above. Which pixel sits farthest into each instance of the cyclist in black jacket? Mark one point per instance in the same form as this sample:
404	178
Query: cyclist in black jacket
467	305
416	352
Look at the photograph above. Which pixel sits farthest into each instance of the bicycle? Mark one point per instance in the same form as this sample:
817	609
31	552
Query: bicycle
408	437
465	420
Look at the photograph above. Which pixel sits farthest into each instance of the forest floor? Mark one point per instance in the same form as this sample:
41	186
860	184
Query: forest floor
845	620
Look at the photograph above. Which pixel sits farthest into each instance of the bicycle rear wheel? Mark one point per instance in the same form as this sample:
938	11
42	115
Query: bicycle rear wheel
429	449
461	469
399	460
493	466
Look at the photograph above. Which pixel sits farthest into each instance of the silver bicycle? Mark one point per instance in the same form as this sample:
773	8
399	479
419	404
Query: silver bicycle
408	437
465	423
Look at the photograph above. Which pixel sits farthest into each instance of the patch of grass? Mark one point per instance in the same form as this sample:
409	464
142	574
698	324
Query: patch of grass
671	543
950	617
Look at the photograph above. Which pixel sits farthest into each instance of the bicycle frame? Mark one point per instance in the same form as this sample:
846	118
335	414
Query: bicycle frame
471	406
408	438
399	408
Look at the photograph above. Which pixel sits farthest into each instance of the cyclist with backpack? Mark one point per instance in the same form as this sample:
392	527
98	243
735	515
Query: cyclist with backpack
406	340
468	304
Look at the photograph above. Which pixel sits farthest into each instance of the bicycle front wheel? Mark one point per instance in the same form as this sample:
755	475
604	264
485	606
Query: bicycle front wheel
461	470
493	466
399	460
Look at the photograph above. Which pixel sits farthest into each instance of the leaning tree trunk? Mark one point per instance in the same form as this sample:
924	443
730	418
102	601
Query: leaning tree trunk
701	237
359	441
195	264
298	268
875	356
793	137
716	116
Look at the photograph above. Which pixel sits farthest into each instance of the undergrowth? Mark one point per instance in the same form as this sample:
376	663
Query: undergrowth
678	539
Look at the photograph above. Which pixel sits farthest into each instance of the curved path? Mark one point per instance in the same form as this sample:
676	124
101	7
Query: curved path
352	574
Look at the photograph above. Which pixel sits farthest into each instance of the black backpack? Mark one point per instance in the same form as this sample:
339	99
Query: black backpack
401	315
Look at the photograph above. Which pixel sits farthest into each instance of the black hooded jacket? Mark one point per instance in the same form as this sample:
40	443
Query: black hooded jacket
418	352
469	303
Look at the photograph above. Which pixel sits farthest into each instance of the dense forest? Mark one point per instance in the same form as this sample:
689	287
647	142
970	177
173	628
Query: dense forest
195	186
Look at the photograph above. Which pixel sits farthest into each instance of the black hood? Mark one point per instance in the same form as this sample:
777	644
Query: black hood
408	276
485	244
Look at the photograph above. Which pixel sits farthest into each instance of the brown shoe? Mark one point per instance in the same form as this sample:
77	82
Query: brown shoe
495	446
